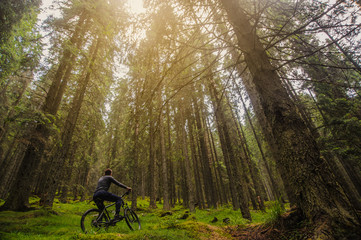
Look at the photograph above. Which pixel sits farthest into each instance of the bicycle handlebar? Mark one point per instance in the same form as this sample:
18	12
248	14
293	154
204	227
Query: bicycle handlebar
126	193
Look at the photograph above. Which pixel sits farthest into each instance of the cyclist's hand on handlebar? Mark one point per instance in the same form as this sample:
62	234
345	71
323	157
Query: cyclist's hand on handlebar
129	189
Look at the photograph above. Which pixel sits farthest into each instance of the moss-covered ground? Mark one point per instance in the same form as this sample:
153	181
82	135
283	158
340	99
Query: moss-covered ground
63	222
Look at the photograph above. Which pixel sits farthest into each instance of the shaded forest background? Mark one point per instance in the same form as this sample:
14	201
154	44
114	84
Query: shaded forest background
201	102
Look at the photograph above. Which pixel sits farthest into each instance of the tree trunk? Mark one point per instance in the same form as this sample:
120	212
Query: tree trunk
68	175
316	191
85	165
198	183
188	167
222	191
59	160
166	202
152	165
170	164
253	171
10	167
274	186
134	165
205	163
18	199
237	183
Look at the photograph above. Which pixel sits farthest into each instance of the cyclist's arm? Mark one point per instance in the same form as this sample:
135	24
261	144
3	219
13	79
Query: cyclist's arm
119	184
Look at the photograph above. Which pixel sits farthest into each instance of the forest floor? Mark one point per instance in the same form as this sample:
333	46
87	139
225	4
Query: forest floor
63	222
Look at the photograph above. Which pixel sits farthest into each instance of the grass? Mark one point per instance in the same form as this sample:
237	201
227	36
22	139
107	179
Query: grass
63	222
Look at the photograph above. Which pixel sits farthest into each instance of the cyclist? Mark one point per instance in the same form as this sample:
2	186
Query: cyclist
101	192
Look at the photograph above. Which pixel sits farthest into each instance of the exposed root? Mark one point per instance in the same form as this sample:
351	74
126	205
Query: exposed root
292	225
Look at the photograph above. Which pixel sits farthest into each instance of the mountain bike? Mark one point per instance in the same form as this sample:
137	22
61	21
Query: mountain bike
94	220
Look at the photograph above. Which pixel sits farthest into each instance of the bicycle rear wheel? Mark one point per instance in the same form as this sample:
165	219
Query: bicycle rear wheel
132	219
92	220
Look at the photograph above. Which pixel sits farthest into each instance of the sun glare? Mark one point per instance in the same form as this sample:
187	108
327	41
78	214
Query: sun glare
136	6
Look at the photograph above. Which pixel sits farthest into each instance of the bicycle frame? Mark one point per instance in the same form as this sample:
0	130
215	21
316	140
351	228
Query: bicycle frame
105	211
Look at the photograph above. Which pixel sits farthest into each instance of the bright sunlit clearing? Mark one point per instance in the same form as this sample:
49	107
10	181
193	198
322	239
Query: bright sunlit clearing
136	6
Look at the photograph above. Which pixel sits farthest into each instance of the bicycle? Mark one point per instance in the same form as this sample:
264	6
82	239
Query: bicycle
95	219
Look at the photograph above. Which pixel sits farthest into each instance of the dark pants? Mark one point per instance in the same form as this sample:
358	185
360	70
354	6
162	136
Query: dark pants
107	196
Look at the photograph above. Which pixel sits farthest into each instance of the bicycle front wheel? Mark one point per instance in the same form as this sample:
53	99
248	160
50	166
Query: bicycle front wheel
132	219
92	220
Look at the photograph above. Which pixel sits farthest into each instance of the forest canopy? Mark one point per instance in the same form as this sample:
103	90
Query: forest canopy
203	103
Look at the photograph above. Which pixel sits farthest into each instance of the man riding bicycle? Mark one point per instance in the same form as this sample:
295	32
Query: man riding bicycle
101	192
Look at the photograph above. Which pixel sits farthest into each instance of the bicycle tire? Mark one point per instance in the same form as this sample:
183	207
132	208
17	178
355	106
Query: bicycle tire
132	219
91	221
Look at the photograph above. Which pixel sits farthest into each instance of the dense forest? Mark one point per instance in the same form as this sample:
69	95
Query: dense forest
200	103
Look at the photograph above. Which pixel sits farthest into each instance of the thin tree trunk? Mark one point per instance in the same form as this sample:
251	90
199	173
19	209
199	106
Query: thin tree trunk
214	158
68	173
85	165
188	167
199	190
135	155
274	186
206	170
254	172
170	164
165	186
237	183
222	191
152	165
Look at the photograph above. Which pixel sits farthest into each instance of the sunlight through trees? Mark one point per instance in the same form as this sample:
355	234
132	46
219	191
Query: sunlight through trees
202	103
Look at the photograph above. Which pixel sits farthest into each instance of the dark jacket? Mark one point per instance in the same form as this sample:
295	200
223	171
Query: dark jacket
105	181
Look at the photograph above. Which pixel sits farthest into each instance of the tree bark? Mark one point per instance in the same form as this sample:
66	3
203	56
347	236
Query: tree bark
198	182
135	156
152	165
170	163
205	163
165	186
316	191
188	167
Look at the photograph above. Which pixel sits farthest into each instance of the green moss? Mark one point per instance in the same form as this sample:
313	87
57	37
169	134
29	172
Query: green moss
103	236
63	222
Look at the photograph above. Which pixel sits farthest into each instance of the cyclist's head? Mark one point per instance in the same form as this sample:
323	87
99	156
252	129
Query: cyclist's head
108	171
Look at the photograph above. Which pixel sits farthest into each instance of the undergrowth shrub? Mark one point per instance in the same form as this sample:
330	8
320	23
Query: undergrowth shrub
275	211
